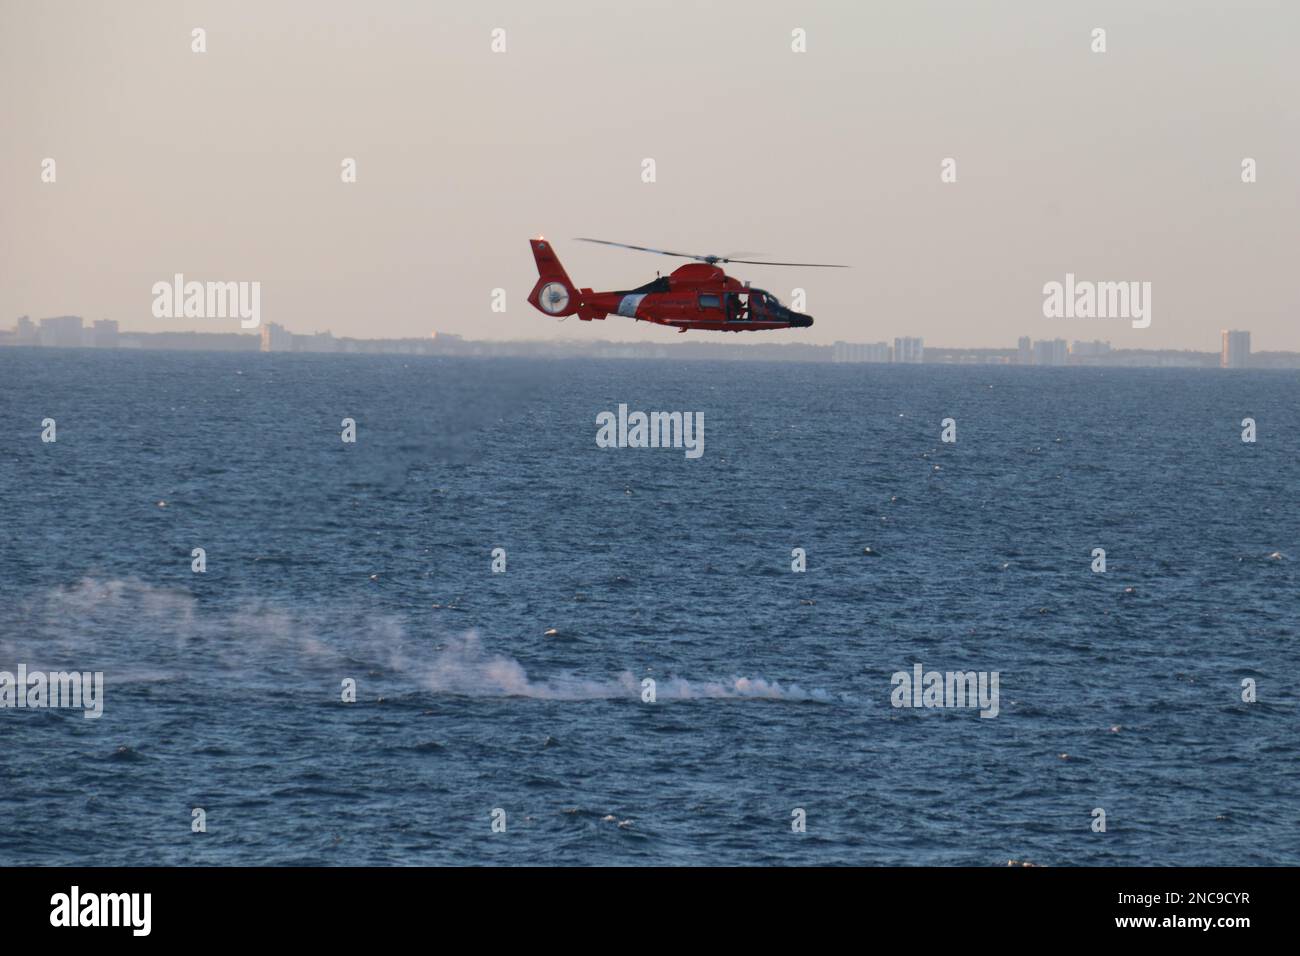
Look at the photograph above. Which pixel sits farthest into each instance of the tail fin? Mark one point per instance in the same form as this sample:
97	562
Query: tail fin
553	294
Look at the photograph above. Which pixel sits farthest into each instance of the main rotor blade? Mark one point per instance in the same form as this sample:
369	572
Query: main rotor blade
712	259
808	265
662	252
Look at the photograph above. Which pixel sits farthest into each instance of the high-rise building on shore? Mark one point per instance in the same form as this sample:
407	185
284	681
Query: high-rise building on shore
25	332
910	350
861	352
1236	349
61	332
104	334
276	338
1051	352
1059	352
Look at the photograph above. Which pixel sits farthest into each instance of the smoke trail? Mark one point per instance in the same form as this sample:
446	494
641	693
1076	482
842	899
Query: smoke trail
137	632
463	667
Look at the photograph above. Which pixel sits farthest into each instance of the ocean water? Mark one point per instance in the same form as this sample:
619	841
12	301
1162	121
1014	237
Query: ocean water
372	562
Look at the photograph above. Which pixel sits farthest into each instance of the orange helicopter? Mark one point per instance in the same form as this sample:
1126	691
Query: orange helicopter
698	295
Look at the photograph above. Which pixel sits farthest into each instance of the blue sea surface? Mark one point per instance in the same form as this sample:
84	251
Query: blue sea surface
372	561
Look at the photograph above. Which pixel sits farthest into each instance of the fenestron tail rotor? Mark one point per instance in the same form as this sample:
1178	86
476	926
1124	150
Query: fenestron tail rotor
713	260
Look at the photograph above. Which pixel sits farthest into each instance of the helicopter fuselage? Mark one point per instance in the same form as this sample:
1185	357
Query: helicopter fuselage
695	296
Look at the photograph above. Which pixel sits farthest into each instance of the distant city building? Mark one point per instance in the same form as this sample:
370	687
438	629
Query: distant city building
1051	352
62	332
946	356
276	338
857	352
1024	351
909	350
104	334
320	342
1236	349
1089	349
25	332
1058	351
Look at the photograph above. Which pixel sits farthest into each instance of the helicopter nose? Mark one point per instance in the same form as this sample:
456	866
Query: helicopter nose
798	321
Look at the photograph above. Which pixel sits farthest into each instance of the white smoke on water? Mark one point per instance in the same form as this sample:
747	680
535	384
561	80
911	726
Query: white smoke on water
130	628
136	632
120	626
463	667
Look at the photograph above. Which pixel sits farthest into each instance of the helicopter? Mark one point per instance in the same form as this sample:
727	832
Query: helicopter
698	295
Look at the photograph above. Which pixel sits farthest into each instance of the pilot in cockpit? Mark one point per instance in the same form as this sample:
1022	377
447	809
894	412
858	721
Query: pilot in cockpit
735	307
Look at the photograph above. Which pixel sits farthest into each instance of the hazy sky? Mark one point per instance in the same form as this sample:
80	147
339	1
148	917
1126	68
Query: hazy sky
225	165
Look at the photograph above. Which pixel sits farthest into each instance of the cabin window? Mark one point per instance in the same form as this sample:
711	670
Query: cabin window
709	301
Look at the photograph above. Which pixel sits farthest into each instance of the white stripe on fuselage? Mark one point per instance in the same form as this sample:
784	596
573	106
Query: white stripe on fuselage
629	303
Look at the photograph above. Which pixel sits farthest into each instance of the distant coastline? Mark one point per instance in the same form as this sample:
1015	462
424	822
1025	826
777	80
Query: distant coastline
72	332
